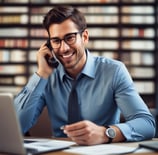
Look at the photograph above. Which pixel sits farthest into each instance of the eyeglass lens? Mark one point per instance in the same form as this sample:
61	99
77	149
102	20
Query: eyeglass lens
68	39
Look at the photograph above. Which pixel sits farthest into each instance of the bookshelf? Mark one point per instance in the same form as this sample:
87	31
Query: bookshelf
126	30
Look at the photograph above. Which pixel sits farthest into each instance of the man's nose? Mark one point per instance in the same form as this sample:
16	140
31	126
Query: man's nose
64	46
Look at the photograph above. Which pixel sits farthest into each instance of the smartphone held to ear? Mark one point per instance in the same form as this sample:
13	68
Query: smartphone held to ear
52	62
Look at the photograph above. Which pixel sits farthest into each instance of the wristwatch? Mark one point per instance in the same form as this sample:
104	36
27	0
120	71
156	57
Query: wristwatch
110	133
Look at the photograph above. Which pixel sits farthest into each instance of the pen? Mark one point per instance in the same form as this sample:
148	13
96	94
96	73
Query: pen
62	127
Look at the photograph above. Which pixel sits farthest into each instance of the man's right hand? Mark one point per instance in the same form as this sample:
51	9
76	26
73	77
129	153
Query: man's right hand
44	70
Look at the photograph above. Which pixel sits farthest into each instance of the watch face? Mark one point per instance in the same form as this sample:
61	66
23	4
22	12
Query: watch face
110	132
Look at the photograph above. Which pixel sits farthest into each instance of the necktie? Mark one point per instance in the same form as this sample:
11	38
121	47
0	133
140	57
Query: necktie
73	106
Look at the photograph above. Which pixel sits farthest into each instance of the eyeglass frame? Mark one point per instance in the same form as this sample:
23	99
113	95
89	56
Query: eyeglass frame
65	37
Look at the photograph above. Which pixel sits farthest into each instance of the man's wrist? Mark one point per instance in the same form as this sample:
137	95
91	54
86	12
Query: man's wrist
42	75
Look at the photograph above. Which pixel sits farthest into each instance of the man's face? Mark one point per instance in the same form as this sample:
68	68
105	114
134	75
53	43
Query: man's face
70	51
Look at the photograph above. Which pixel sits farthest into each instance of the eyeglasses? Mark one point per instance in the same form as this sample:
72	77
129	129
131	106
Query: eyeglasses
69	39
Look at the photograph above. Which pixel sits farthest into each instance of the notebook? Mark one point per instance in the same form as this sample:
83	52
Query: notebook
152	145
11	138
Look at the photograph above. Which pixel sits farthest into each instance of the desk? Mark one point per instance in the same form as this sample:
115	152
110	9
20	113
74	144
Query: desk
132	144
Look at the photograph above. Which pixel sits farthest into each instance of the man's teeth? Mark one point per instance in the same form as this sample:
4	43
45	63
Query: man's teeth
68	55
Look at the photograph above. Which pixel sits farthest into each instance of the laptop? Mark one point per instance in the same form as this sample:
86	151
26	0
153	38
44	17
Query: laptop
152	145
11	138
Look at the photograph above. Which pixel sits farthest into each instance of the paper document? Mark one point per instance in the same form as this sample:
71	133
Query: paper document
45	144
103	149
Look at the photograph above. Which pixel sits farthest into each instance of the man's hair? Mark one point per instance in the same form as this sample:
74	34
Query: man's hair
61	13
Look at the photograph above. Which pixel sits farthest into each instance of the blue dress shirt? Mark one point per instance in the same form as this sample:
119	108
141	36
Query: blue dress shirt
104	91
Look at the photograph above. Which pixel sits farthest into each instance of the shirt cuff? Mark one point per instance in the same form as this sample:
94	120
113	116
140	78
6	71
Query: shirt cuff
36	81
126	131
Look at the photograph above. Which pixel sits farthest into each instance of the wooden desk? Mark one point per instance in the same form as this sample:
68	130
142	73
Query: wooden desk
134	144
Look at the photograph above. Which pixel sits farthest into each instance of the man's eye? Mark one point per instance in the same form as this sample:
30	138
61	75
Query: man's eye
70	37
56	41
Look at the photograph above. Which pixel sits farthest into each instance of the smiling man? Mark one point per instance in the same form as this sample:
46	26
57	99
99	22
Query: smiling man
103	88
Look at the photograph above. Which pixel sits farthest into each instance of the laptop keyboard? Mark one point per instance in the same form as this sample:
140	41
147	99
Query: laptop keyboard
29	141
31	150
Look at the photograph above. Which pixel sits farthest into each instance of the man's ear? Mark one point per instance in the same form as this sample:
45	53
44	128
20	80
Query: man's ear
85	36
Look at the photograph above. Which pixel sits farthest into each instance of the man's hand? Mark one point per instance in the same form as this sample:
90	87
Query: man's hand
86	133
44	70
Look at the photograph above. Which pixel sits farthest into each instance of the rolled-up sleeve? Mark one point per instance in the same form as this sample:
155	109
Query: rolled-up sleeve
29	100
140	123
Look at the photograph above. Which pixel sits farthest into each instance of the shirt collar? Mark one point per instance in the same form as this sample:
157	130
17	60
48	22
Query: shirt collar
88	70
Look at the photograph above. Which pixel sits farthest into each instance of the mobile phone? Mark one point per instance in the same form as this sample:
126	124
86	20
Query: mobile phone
52	62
